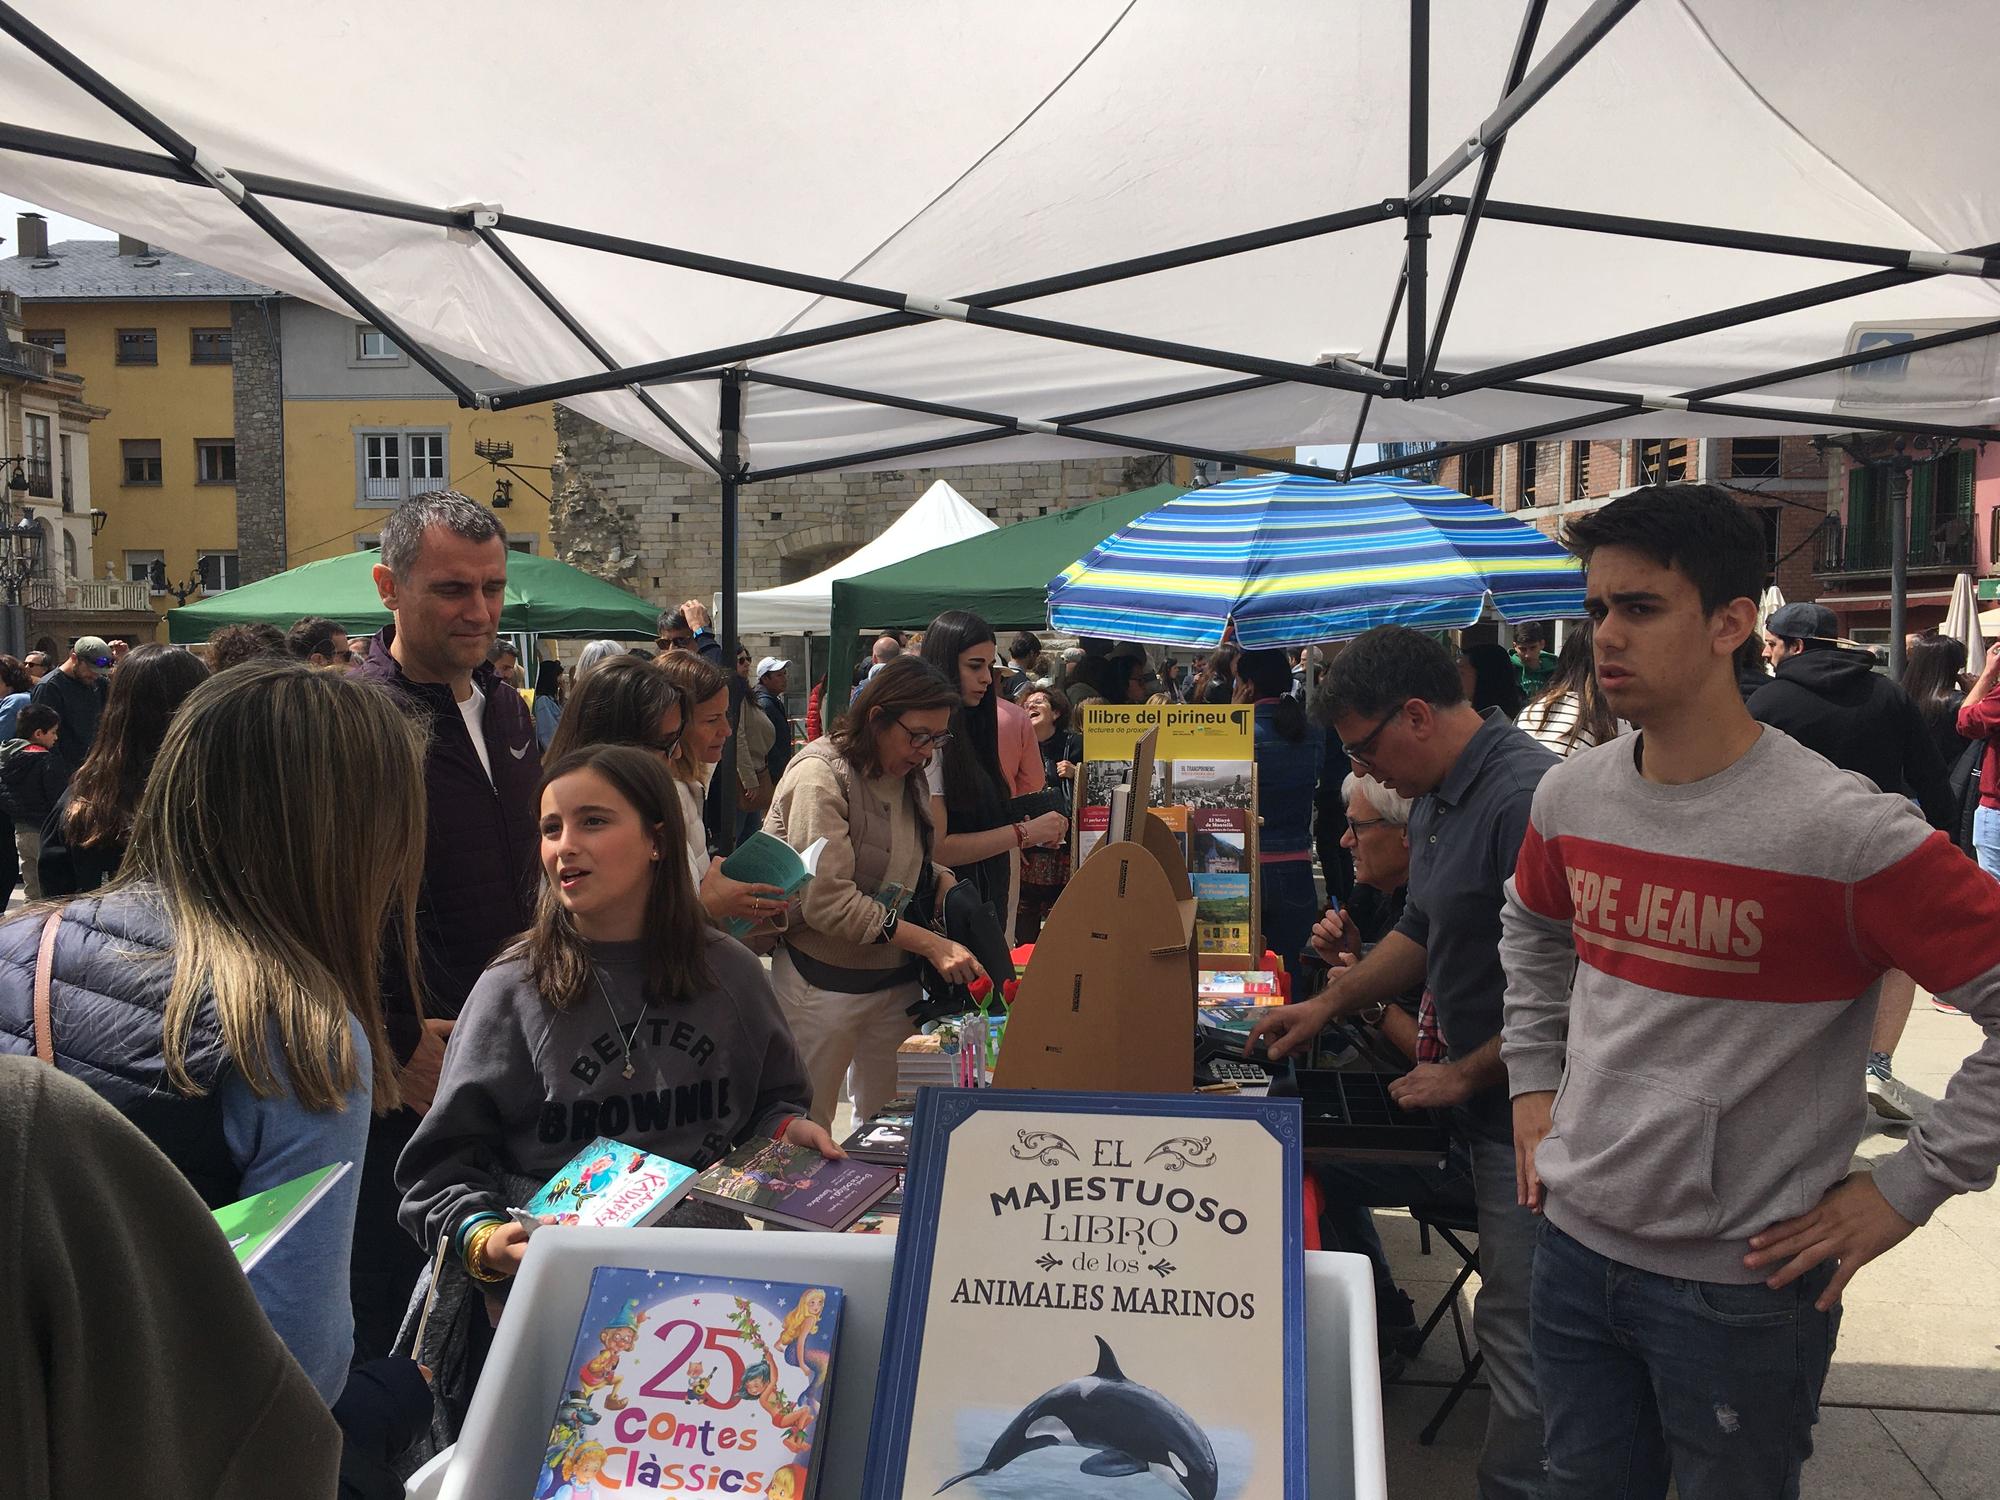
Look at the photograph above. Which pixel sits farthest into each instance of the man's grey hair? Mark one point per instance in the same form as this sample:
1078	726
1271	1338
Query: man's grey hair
595	653
403	532
1392	807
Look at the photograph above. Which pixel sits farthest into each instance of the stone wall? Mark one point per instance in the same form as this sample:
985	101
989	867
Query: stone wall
654	526
256	352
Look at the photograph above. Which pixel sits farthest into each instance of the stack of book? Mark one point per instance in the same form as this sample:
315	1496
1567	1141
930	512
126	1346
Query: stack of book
1239	987
922	1060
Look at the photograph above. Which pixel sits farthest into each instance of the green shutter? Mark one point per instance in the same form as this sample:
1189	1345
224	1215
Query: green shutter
1863	519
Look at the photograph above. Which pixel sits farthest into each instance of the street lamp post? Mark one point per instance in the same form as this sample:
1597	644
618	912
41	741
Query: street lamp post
20	555
1901	456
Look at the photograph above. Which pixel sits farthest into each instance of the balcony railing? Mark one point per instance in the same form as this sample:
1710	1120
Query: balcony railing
1948	545
41	478
37	361
83	595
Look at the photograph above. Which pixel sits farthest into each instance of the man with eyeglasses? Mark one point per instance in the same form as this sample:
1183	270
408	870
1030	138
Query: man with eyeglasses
319	642
689	628
1395	699
76	691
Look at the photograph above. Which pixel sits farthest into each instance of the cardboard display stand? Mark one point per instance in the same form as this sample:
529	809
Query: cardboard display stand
506	1431
1107	1002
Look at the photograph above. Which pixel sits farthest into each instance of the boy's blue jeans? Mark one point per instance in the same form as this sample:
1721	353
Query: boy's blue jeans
1645	1378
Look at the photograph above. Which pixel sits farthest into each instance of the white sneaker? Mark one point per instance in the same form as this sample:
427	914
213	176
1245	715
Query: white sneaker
1888	1097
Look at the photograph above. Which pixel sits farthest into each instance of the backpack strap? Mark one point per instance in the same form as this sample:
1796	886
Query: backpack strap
45	960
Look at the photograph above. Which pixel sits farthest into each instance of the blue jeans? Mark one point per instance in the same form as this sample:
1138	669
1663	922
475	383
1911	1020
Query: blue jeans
1646	1378
1289	907
1986	839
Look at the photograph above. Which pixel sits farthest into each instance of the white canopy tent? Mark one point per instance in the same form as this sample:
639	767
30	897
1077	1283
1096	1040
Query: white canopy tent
755	238
940	517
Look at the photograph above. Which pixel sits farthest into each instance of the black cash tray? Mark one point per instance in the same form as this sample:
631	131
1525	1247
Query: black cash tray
1349	1114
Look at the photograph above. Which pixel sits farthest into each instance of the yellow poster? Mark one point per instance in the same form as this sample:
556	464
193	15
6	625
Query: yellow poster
1188	731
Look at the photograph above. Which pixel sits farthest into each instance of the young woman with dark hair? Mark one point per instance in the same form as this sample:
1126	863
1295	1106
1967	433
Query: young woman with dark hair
1044	872
847	972
85	837
1490	678
1934	677
1569	713
622	1013
1291	752
548	701
976	836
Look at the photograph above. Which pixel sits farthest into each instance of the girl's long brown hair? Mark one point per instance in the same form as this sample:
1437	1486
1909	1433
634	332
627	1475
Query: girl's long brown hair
283	825
147	689
1576	672
618	702
675	935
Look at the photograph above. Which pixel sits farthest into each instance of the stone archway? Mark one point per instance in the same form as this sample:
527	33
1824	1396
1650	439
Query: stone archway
812	548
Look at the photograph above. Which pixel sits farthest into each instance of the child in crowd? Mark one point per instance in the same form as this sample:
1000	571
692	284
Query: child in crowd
621	1013
32	778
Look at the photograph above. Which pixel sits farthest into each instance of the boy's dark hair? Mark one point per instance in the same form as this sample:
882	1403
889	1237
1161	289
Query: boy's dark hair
1695	528
35	717
233	645
1385	668
1533	633
1024	647
313	636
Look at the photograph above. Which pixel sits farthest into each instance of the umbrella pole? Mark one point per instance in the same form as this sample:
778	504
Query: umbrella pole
731	435
1899	568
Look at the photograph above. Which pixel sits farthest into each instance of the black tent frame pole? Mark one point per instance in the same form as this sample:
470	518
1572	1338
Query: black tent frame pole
1517	68
100	88
1416	213
733	472
1681	328
1591	28
1848	361
1381	354
583	336
1716	237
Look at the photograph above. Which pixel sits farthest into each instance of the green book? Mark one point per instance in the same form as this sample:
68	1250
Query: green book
257	1223
763	860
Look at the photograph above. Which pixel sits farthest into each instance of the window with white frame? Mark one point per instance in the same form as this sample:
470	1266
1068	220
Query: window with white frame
391	466
69	554
373	343
215	460
218	571
139	568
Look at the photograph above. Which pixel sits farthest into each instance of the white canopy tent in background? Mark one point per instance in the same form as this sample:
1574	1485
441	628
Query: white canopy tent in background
756	238
939	517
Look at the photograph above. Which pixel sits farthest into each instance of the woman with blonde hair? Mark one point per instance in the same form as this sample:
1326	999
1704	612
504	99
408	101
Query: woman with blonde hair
224	992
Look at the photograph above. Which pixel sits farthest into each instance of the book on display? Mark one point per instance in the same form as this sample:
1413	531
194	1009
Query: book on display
608	1185
693	1385
795	1186
1096	1296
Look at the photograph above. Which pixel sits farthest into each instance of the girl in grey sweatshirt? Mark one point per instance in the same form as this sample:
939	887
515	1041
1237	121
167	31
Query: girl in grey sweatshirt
622	1013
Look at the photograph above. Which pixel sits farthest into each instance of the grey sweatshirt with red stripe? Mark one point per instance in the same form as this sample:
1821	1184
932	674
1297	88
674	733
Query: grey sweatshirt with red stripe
1694	970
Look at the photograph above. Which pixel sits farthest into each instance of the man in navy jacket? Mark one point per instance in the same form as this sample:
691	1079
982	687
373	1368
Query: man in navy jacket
442	577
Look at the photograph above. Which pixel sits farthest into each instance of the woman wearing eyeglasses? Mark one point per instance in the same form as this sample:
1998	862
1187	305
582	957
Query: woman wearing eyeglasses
847	975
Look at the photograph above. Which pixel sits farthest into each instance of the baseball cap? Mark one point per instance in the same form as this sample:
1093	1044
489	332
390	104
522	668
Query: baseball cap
91	648
771	664
1803	622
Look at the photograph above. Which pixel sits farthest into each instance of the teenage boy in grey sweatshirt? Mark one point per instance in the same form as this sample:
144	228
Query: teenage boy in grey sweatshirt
1694	940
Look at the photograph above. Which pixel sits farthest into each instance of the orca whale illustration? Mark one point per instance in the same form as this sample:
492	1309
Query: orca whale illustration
1133	1428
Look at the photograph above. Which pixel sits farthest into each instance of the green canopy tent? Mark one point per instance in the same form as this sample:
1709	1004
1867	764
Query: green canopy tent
544	597
1003	576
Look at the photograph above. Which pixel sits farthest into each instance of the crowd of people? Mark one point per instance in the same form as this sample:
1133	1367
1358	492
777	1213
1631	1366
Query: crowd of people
299	899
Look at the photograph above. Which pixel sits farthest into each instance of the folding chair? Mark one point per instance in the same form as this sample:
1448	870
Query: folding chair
1450	1223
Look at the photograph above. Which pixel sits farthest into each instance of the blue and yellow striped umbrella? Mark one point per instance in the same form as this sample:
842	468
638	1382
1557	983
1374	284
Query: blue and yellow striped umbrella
1295	560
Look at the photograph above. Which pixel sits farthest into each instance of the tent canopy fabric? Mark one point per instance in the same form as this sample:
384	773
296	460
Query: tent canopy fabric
1003	577
1046	145
940	517
1293	561
544	597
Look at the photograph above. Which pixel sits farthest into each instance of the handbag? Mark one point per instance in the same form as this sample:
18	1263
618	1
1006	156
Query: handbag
964	918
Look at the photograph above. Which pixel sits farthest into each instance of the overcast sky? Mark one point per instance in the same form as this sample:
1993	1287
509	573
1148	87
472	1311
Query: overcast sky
61	226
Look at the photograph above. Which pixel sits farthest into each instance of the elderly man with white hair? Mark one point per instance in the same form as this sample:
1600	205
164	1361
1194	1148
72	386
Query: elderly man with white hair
1378	838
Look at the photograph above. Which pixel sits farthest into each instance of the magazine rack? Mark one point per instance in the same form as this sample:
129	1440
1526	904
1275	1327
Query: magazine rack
500	1450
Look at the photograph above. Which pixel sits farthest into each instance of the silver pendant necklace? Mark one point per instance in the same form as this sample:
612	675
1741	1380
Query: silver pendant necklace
627	1038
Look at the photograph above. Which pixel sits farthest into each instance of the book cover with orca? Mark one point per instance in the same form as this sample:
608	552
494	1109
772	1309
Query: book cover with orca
1095	1295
